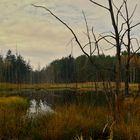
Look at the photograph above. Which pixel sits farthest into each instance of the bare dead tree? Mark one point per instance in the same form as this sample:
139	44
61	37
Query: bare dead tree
121	33
128	44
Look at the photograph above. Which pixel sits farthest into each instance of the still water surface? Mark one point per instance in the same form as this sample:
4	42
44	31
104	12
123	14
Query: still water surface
45	101
36	108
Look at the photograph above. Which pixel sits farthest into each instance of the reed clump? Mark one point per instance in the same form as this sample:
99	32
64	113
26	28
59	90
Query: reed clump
69	121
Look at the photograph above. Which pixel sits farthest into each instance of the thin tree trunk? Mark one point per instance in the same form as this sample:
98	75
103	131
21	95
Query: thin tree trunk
127	75
118	48
118	74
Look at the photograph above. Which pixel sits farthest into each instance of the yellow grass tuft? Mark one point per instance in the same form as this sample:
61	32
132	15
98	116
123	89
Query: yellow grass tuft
13	102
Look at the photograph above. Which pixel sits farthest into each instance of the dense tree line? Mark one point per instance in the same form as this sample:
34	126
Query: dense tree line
14	69
80	69
68	69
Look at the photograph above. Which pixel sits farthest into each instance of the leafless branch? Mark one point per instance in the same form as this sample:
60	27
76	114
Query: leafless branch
137	24
122	27
96	43
88	33
138	45
104	38
134	51
110	48
88	44
70	41
100	5
133	12
68	27
118	12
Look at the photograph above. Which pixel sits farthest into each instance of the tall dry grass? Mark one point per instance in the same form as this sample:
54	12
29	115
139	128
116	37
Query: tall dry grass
90	122
72	122
127	126
12	121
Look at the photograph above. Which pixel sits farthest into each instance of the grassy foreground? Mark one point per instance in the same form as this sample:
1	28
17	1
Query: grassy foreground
71	122
12	110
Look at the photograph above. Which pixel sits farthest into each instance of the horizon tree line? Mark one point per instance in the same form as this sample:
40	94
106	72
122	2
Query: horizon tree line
14	69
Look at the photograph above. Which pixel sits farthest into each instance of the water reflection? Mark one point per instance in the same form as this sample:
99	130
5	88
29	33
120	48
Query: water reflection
36	107
50	98
44	101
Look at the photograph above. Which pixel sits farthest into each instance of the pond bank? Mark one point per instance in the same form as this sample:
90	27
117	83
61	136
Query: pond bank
88	86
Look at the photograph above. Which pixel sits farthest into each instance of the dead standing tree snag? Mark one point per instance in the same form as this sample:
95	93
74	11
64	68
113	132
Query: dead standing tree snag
121	35
122	25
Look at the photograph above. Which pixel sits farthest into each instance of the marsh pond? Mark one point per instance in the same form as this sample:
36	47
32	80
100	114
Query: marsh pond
46	101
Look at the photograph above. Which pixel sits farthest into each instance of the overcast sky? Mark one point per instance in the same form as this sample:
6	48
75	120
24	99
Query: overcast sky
39	37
